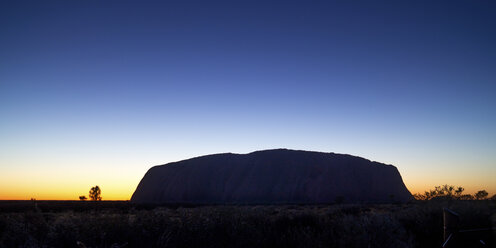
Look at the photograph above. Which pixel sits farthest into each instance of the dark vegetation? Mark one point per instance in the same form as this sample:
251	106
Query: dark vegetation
450	192
118	223
95	194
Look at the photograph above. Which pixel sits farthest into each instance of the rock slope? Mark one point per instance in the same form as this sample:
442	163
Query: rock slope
272	177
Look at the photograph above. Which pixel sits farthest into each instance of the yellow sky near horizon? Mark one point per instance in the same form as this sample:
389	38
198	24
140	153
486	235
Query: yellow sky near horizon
120	185
27	177
110	192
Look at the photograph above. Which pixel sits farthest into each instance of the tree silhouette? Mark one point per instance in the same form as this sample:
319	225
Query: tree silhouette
95	194
481	195
82	198
459	191
441	192
445	192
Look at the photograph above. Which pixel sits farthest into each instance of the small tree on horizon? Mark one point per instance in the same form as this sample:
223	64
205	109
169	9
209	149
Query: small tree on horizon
481	195
95	194
459	191
82	198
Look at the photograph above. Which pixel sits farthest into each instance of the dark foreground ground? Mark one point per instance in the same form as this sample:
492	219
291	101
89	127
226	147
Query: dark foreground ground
122	224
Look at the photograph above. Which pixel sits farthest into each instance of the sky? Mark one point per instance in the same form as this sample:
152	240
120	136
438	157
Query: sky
97	92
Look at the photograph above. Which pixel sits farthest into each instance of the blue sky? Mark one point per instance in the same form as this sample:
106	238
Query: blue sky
124	85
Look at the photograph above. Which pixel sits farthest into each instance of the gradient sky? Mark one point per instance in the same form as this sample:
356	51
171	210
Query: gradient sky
97	92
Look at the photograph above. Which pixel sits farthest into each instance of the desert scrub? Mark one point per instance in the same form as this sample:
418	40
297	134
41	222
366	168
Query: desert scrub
407	225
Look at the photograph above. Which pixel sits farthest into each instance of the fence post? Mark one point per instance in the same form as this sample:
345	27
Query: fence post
450	220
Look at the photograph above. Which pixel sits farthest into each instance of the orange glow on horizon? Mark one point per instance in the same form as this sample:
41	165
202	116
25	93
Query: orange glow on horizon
62	195
122	194
59	182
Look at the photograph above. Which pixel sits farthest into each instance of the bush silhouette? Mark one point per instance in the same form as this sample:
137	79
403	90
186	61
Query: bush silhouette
441	192
450	192
481	195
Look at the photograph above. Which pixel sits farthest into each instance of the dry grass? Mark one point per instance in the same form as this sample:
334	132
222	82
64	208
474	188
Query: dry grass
408	225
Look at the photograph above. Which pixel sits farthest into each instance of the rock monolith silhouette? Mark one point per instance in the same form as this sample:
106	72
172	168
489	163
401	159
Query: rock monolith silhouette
277	176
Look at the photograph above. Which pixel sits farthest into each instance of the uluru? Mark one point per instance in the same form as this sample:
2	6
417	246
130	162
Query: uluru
278	176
